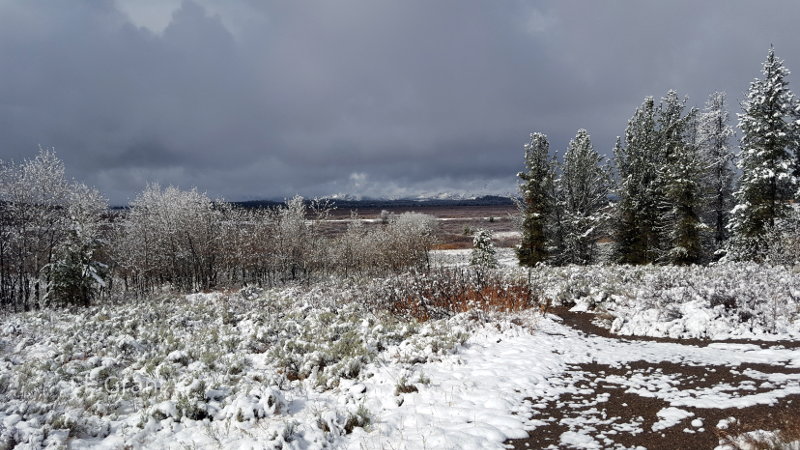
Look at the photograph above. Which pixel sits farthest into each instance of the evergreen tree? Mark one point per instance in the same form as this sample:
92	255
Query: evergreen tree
483	251
769	130
659	186
583	188
783	240
636	233
713	135
77	275
556	221
536	189
681	179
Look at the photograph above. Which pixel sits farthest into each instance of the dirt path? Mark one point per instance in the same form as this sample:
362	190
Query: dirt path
583	321
618	406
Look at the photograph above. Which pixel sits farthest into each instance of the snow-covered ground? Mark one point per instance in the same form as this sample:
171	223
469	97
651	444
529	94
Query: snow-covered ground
506	258
711	302
315	368
742	300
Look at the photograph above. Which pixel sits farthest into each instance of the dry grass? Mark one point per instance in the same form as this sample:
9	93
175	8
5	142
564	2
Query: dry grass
484	299
509	242
787	433
452	241
453	246
442	293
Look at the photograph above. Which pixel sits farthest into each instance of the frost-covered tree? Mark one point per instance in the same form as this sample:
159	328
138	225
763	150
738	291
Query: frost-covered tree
403	242
713	137
6	276
483	251
291	238
171	236
783	240
583	199
409	239
659	188
681	179
537	197
769	131
77	274
299	245
350	246
636	227
42	212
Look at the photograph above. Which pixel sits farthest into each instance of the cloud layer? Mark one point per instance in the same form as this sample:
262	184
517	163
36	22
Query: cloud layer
253	99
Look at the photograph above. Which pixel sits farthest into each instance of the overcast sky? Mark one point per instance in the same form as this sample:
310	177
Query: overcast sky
259	99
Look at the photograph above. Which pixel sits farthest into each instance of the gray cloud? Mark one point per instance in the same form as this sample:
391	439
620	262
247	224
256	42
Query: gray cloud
266	99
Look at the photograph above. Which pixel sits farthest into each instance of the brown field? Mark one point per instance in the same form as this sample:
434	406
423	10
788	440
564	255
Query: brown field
456	224
441	212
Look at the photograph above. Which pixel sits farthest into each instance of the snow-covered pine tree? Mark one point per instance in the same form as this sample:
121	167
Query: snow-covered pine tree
713	136
536	189
556	220
784	239
681	180
636	227
659	185
483	251
769	130
77	275
584	186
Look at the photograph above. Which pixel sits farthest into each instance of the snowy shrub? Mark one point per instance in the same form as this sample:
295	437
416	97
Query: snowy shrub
403	386
222	365
442	293
337	424
693	301
735	434
259	403
361	417
782	241
483	251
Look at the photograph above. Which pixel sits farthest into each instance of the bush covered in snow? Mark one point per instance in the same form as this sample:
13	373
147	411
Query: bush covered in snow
444	292
483	251
718	301
218	369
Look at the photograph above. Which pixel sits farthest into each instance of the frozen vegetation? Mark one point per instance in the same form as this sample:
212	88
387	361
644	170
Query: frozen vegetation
352	365
143	329
262	369
711	302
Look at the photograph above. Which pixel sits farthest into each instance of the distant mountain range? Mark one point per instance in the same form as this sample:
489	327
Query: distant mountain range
347	201
356	202
421	197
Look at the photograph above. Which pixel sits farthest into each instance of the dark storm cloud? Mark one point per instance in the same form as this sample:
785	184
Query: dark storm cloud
263	99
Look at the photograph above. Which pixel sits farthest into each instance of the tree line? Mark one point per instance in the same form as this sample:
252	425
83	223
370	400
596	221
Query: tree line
673	185
61	245
671	180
